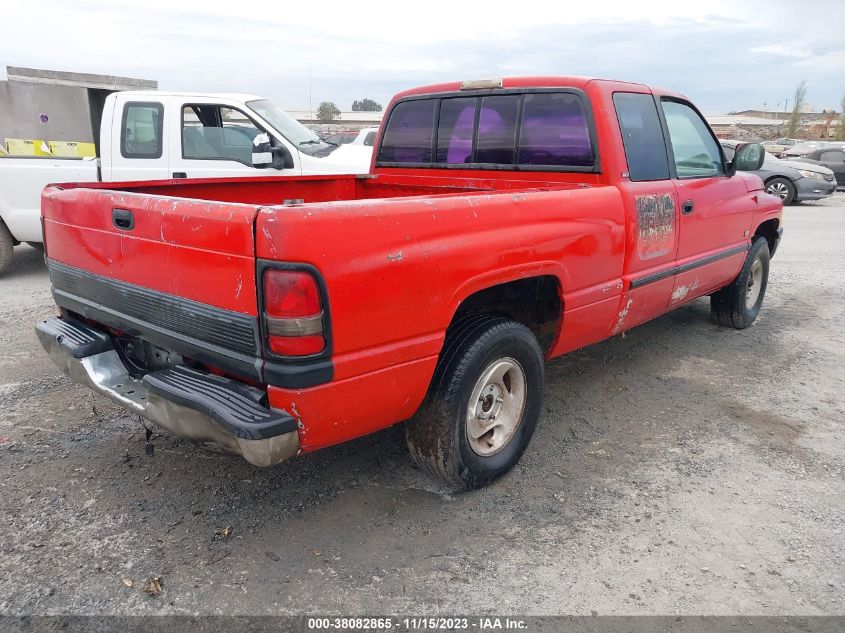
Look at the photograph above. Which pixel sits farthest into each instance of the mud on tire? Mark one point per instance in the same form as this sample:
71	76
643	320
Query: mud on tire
7	247
489	376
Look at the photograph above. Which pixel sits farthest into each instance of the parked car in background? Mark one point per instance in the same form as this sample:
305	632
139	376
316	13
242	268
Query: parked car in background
791	181
342	137
832	157
800	149
779	146
366	136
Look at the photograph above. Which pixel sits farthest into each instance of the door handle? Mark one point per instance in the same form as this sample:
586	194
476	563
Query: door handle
180	174
123	219
687	207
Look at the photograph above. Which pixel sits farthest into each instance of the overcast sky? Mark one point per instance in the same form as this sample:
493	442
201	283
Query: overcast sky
730	55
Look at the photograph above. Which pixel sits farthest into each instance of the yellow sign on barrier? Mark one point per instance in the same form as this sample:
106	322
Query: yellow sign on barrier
72	149
27	147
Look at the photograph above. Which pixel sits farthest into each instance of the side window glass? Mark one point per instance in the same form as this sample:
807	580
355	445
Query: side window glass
497	130
642	136
370	139
696	152
142	130
409	133
832	157
454	130
216	132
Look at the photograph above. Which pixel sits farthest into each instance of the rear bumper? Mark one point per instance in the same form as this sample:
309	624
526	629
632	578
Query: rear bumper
190	403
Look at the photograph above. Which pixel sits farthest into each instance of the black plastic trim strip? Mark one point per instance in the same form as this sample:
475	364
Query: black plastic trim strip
677	270
225	329
255	363
198	350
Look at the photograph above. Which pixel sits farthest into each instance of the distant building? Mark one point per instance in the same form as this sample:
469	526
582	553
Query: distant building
762	124
360	119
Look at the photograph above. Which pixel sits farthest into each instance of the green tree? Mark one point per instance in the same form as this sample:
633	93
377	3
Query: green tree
840	129
798	100
366	105
327	112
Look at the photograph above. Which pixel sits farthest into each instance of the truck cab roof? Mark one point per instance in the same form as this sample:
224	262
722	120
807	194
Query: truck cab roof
538	81
232	96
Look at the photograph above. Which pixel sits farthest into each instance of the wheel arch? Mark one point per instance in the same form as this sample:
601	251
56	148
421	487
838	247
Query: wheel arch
769	229
532	296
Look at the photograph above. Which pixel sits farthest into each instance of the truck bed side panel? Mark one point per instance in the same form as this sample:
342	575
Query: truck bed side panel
398	272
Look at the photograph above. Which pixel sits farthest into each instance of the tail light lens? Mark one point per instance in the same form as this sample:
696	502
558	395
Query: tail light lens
293	313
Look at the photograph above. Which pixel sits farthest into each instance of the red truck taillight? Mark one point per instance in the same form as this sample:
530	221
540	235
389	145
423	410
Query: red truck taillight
293	313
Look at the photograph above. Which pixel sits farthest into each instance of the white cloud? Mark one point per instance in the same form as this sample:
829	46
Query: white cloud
784	50
350	50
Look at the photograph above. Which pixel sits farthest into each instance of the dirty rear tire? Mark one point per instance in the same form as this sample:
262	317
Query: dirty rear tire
730	306
437	436
7	248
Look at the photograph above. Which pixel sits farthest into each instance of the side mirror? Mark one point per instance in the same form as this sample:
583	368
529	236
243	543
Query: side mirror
268	152
281	157
747	157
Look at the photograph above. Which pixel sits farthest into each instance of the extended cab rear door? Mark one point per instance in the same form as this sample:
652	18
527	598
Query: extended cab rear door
135	148
651	209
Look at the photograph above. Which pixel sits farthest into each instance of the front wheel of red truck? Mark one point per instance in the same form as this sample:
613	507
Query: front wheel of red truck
483	404
738	304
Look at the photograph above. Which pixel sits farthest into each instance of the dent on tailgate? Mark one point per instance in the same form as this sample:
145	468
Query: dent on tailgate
193	249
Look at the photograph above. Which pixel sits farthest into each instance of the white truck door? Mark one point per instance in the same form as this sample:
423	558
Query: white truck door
138	149
215	140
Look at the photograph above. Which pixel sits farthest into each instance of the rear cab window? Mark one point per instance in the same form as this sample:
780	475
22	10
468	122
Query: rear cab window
141	130
545	129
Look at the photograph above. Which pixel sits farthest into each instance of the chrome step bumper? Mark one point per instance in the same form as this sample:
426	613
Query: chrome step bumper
190	403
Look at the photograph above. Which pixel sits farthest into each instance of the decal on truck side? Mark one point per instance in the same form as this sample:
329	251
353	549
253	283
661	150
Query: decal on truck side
655	225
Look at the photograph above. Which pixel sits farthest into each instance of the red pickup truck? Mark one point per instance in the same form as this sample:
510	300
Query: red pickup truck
503	223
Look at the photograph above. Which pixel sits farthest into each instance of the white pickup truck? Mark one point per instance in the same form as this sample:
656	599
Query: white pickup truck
152	135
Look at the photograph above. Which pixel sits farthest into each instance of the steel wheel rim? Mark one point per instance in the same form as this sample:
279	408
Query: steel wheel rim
779	189
496	405
755	284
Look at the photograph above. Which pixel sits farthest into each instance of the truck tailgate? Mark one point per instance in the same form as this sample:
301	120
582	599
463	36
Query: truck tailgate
177	272
193	249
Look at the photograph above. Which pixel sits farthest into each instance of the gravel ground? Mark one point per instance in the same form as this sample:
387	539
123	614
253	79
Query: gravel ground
680	468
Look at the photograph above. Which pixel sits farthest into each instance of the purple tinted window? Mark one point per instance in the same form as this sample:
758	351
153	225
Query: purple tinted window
555	131
409	133
454	132
497	130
